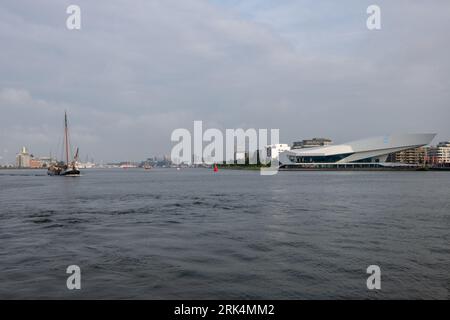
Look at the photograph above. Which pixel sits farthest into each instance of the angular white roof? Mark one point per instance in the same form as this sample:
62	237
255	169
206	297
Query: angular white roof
395	141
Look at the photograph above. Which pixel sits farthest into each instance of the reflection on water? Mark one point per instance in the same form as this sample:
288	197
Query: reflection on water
232	234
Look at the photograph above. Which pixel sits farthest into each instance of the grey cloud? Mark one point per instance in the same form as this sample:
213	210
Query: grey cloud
139	69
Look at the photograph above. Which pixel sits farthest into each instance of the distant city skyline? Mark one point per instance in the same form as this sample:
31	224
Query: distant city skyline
134	73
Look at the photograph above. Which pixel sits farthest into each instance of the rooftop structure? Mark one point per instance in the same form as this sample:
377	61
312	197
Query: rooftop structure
311	143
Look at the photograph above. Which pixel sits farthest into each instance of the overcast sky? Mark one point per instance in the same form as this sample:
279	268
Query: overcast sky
137	70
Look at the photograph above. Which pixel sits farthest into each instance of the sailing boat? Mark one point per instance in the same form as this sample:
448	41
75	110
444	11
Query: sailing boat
67	168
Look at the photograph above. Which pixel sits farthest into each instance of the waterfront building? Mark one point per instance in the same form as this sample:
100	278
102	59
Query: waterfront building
46	161
366	153
85	165
240	157
35	163
311	143
439	154
410	156
23	158
273	151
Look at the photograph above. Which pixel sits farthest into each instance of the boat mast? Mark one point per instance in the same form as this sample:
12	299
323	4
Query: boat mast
66	138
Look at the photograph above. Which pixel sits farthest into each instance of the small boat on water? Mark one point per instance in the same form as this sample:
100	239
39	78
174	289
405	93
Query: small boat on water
67	168
128	165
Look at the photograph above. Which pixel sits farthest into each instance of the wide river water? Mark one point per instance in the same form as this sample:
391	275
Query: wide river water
196	234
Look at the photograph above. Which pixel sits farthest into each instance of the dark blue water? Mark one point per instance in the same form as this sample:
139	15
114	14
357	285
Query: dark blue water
194	234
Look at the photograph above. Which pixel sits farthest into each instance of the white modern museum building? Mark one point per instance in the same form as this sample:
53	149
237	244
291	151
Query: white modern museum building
366	153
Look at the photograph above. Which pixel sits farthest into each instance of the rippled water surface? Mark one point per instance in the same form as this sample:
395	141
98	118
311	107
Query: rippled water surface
167	234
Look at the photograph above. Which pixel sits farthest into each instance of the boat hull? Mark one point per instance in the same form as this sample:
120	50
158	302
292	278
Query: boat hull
67	173
71	173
